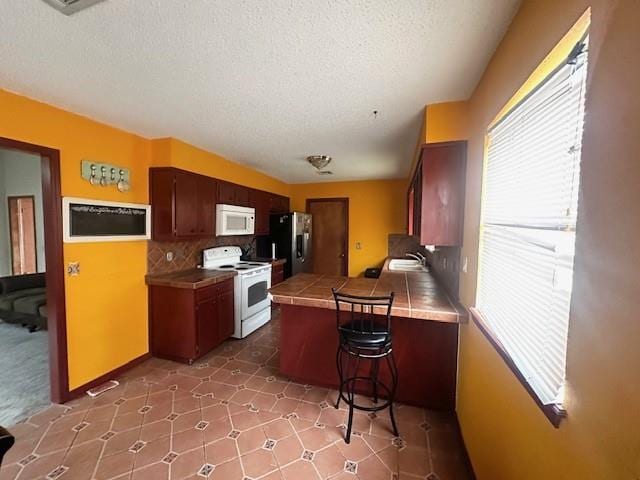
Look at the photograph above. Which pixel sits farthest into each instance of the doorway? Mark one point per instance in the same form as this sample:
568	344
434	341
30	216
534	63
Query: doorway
330	240
22	234
32	268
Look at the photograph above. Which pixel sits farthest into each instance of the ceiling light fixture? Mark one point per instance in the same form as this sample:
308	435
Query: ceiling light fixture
319	161
69	7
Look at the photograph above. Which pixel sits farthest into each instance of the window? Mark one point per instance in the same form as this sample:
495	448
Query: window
528	227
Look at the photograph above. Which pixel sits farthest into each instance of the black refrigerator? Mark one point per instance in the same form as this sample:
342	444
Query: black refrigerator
290	235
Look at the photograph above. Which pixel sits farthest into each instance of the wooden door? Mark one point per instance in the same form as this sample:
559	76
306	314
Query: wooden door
330	235
226	319
206	206
207	325
22	230
186	204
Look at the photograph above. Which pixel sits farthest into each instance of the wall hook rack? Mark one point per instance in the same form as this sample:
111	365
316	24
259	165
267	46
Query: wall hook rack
104	174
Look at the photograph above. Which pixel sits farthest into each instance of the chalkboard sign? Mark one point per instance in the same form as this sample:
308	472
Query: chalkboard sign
97	221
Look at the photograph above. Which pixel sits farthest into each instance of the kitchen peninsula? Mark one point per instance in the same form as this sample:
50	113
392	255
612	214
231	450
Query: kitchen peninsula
424	327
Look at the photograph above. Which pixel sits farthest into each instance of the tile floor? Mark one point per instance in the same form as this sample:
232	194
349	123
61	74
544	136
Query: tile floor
229	416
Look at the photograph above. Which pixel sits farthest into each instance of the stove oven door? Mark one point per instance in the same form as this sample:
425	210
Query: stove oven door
255	296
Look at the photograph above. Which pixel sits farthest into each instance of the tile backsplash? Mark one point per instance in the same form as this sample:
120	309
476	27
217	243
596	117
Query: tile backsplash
444	262
400	243
188	254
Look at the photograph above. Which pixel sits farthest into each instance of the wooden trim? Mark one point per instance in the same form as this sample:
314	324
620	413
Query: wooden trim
79	391
345	200
35	230
554	413
54	275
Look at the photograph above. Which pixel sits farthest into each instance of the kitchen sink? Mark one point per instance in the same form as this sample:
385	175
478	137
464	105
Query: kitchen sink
401	265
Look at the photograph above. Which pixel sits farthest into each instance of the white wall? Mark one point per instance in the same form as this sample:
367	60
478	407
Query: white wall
20	174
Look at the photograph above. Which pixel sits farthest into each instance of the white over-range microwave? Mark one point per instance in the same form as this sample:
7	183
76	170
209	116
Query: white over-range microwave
234	220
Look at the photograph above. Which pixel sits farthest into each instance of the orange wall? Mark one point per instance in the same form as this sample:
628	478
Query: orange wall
106	303
169	152
376	209
506	435
446	122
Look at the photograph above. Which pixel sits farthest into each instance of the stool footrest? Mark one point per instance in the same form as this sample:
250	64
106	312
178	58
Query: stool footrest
350	382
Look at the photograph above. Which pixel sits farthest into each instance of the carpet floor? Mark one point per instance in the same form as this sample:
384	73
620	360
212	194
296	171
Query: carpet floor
24	373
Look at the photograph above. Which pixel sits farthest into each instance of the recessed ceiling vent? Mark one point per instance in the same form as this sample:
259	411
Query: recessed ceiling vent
69	7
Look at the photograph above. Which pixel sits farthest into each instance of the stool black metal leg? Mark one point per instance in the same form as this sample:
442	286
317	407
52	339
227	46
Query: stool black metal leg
351	393
394	383
375	366
340	375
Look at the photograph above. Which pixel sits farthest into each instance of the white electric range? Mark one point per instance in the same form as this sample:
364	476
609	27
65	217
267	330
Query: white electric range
251	285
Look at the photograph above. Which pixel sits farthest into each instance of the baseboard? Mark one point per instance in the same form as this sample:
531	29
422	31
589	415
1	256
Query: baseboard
79	391
465	452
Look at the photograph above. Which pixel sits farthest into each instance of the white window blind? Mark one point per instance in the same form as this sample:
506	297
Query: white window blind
527	236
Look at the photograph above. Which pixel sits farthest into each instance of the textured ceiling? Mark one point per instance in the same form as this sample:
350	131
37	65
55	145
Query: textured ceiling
263	83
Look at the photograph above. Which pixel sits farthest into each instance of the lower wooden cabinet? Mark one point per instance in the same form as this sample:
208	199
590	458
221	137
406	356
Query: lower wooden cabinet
187	324
277	274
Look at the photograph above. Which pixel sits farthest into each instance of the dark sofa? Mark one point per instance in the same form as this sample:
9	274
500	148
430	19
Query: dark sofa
23	300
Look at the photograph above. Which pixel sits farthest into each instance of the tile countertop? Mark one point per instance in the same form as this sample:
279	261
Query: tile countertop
191	279
417	294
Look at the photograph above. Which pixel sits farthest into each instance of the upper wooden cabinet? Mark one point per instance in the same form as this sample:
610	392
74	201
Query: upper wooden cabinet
279	204
182	204
436	194
232	194
261	201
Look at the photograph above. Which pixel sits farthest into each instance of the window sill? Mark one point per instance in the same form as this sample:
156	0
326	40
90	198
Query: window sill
554	413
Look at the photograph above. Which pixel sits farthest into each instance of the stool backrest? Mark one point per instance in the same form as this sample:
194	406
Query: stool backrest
363	314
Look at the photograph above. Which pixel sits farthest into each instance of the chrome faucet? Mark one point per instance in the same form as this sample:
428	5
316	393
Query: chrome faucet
417	256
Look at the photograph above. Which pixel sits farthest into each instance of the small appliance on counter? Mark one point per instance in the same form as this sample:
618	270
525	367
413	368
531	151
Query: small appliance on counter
251	298
234	220
291	234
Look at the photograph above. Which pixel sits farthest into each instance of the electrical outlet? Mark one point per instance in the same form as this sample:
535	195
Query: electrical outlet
358	246
73	269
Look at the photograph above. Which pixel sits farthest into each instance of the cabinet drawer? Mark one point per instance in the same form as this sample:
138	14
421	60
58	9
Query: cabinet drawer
225	286
206	293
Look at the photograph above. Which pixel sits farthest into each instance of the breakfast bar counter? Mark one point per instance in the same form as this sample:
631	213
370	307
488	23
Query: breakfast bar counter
424	327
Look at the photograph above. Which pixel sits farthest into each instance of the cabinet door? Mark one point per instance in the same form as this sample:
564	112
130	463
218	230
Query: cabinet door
277	274
241	195
261	202
186	204
161	197
207	325
442	194
226	193
279	204
226	320
206	206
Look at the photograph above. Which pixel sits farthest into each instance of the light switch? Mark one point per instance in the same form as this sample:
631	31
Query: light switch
358	246
465	264
73	269
169	256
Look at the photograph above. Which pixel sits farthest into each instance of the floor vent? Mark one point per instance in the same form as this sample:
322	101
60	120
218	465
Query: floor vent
69	7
